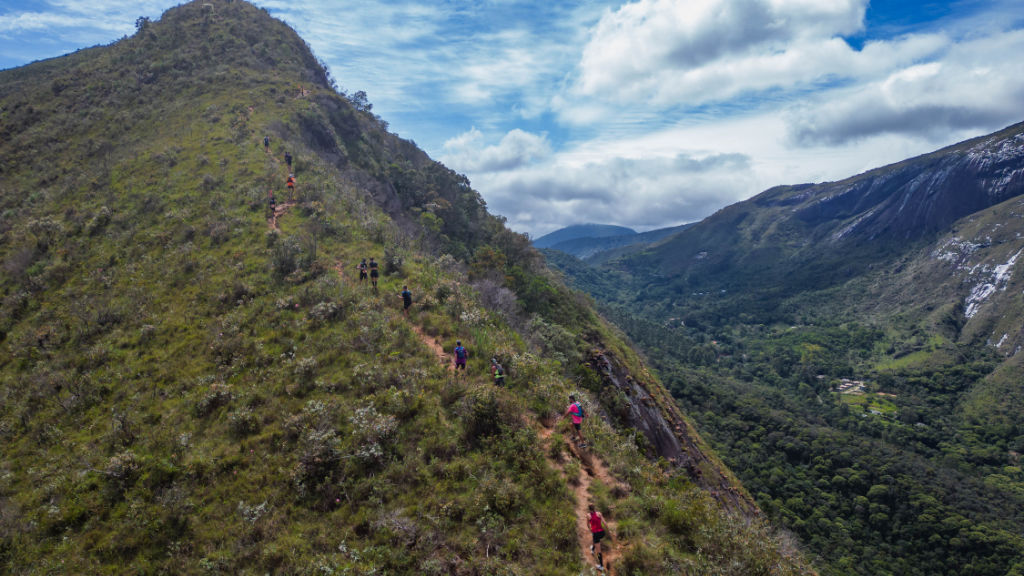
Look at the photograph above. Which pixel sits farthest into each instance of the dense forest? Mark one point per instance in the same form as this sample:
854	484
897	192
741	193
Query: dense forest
866	439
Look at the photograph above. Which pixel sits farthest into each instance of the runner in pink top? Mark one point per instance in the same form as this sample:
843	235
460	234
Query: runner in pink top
575	410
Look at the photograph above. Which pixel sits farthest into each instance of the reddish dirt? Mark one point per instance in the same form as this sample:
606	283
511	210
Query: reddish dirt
590	468
283	207
279	211
434	345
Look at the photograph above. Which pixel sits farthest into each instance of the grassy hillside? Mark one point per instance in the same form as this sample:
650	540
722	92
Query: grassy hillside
193	385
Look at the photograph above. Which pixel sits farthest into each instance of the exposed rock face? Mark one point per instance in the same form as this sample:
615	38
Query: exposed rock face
922	196
670	436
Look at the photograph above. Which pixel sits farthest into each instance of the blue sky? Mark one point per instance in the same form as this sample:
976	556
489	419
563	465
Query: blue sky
645	114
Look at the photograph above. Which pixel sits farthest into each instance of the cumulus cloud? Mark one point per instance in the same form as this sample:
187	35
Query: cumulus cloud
644	193
516	149
705	49
974	86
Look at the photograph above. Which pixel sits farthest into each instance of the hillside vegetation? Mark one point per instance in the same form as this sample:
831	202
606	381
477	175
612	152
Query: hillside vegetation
861	377
192	384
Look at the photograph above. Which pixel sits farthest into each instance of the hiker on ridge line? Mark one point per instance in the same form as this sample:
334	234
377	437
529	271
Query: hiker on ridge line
461	354
374	272
406	300
498	372
575	409
363	268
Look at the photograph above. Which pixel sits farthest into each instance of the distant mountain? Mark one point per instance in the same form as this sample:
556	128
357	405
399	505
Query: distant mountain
853	349
794	238
596	241
579	231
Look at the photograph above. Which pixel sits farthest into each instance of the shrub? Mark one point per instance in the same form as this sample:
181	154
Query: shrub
324	312
556	341
305	369
287	256
639	560
209	182
481	419
122	430
372	430
393	261
572	472
243	422
121	472
326	289
319	456
219	232
252	513
98	221
495	296
46	231
315	415
218	395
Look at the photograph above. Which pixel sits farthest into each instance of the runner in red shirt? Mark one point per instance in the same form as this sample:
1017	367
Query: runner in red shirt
596	523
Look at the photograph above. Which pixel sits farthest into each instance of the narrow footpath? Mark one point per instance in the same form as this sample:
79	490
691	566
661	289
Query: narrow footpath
590	468
434	345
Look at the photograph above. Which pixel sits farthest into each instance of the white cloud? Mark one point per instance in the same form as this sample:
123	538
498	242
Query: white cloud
516	149
514	62
975	86
665	177
587	185
81	22
644	113
27	21
664	50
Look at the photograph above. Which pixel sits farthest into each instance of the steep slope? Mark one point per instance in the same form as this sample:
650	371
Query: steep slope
192	383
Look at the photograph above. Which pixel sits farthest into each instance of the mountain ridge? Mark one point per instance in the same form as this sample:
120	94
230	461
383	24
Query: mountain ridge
578	231
195	384
822	234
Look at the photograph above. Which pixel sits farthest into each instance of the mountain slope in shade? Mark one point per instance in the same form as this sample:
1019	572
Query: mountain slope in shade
814	236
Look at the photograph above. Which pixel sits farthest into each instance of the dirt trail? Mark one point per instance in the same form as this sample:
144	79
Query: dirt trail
590	468
279	210
434	345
